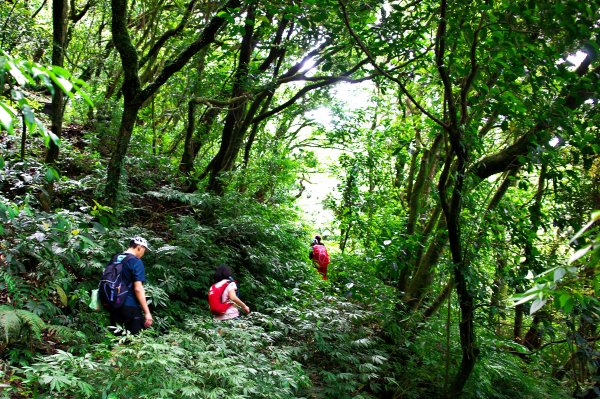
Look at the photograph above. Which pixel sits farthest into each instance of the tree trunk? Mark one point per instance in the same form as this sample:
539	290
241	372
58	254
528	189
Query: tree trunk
530	262
412	262
254	130
133	95
23	137
442	296
115	165
412	170
428	159
60	10
423	275
533	338
497	289
193	139
233	134
452	211
518	323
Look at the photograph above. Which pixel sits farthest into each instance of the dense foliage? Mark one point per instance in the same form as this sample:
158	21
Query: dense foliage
464	240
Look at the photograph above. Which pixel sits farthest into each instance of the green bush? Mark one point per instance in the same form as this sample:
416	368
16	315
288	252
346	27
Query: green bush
206	360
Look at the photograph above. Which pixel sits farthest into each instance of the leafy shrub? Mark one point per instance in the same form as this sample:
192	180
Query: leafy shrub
339	342
502	375
207	360
355	277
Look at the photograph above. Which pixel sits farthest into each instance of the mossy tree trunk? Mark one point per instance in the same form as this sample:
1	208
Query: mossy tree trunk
134	95
60	10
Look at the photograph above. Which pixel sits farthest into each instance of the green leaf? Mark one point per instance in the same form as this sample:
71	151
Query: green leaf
6	117
525	299
580	253
52	136
60	72
51	174
29	116
537	305
62	295
569	304
559	273
16	73
563	299
61	83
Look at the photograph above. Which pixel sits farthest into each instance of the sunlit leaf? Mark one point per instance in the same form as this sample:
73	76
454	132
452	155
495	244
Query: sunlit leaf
581	252
65	84
17	74
6	117
530	275
559	273
29	116
525	299
62	295
53	137
537	305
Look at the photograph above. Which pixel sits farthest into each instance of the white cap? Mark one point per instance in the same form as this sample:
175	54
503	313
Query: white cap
140	241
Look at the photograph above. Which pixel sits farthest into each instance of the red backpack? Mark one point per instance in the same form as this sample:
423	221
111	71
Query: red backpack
215	294
320	255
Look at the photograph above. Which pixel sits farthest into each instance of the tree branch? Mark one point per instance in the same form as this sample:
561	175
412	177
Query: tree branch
440	49
275	47
509	157
219	103
76	16
206	38
170	33
469	79
364	48
303	91
126	49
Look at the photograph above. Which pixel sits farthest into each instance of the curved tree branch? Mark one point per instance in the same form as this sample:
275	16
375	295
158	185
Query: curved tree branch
469	79
325	82
206	38
440	49
575	95
364	48
170	33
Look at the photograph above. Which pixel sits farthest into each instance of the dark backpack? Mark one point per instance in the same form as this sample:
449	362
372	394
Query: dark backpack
215	294
112	290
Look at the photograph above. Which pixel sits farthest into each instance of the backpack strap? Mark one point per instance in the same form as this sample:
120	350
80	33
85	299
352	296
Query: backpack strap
237	288
124	262
126	259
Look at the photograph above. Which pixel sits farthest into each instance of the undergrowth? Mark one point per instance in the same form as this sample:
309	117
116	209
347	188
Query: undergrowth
305	338
330	351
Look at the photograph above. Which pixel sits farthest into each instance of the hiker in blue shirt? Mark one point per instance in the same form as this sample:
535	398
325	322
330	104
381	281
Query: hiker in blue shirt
135	314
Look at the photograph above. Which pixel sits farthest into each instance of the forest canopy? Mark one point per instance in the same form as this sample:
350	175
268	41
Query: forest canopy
447	153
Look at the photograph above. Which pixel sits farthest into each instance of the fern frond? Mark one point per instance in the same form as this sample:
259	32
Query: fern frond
65	333
9	282
10	324
15	322
17	288
33	321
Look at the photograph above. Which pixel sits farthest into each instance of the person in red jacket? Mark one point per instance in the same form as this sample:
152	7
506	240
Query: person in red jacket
320	257
223	276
